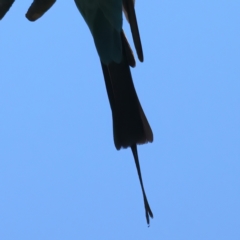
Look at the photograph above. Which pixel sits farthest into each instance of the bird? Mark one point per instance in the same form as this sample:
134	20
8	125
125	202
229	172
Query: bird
38	8
5	5
104	19
130	125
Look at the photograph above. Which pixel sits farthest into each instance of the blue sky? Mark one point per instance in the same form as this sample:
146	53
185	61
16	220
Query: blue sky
60	174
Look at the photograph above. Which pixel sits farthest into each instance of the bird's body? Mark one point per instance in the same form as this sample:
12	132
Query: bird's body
104	19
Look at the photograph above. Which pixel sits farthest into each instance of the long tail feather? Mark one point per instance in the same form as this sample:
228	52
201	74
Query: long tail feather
146	204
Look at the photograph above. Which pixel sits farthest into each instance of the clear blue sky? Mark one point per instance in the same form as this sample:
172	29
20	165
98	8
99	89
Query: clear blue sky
60	174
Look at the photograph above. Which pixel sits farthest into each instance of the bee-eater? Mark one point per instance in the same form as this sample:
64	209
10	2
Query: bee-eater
104	19
130	125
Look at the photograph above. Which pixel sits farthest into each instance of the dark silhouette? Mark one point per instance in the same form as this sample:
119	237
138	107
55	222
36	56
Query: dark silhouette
38	8
5	6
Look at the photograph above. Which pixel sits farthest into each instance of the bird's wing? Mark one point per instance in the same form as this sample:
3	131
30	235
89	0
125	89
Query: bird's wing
38	8
129	10
4	7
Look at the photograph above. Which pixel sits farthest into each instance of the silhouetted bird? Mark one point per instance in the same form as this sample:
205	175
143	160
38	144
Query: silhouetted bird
104	19
130	125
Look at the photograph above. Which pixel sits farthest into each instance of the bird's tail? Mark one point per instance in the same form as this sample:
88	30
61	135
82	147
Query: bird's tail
130	125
